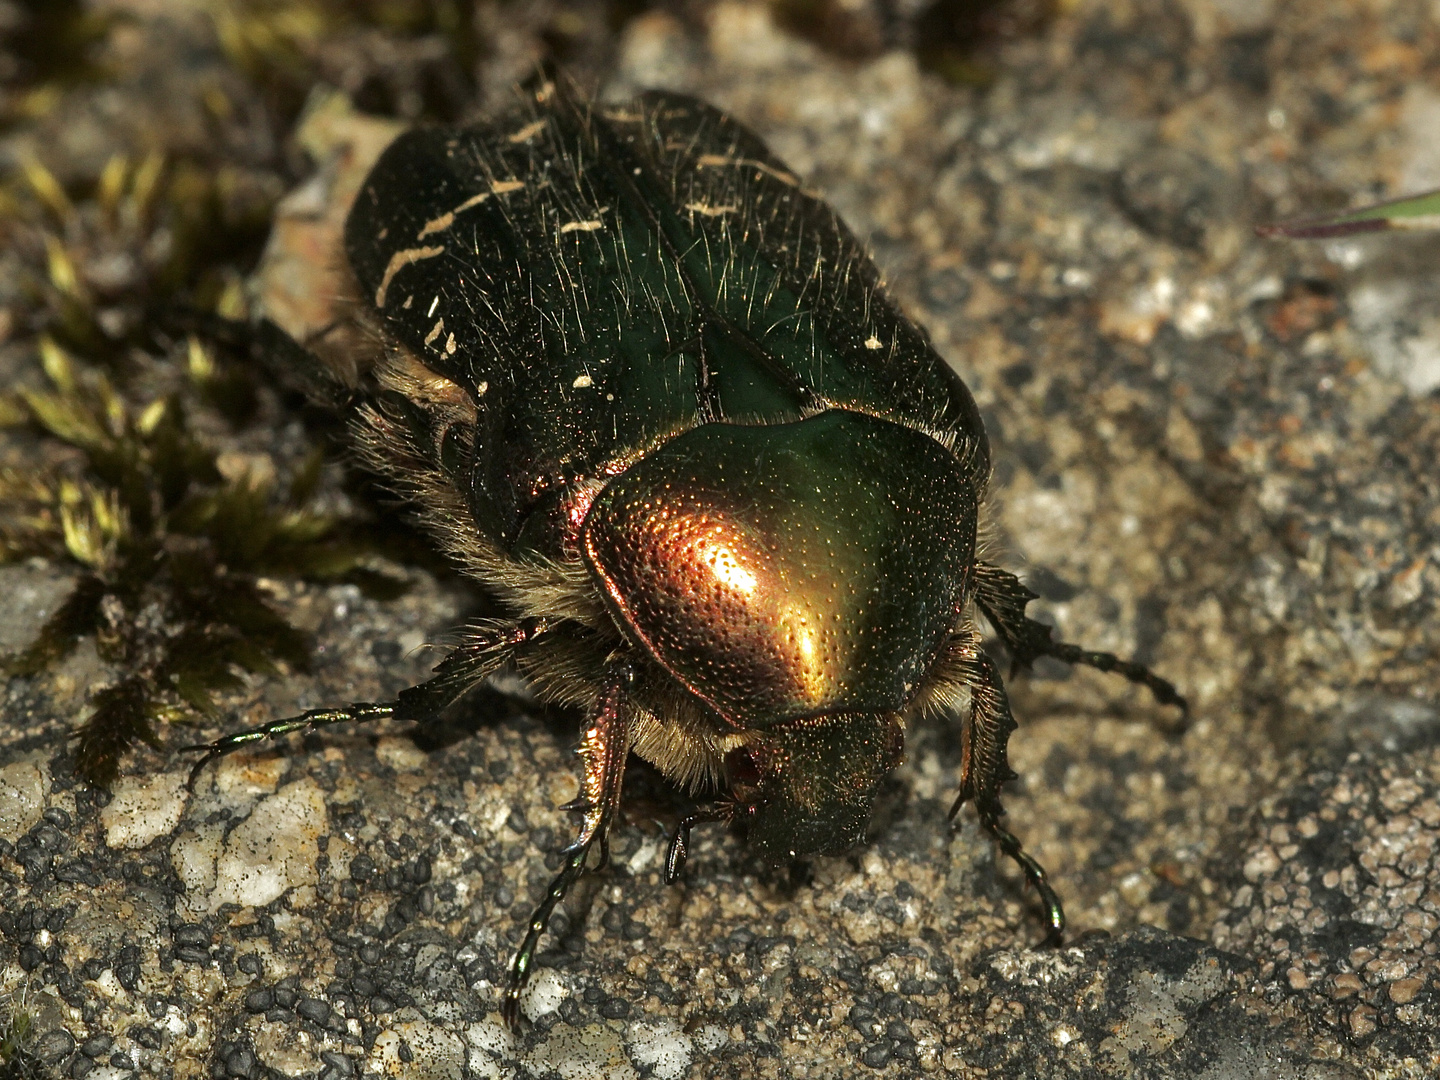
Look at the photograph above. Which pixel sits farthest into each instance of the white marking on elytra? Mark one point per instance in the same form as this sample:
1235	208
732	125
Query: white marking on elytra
398	262
708	210
445	220
581	382
433	305
721	161
481	389
583	226
439	224
450	345
408	301
872	342
435	331
528	132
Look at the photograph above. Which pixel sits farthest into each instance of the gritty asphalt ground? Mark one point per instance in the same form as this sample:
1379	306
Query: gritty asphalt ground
1213	452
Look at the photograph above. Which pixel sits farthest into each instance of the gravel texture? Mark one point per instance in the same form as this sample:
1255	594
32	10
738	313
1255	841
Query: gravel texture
1214	453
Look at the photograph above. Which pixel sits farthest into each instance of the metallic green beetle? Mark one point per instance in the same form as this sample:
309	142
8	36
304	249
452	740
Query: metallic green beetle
647	388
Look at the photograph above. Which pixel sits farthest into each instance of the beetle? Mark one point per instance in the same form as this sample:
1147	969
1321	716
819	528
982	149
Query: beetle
648	389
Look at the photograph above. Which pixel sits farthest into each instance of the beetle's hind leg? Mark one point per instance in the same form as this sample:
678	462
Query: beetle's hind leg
604	748
264	344
487	649
1002	598
984	766
358	712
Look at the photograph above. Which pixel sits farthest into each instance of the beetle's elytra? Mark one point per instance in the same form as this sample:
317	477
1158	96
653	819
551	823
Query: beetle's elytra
648	389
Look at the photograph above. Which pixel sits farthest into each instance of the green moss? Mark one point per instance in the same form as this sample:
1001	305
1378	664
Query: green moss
959	40
170	552
17	1033
276	43
124	455
169	547
51	46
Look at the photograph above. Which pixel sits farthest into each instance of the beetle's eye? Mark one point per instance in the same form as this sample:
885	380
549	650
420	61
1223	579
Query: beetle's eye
743	773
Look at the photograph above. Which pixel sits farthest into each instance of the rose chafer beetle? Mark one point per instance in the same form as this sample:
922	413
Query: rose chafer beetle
646	388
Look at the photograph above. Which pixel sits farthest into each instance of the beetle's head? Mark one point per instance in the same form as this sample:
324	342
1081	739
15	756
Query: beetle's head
807	787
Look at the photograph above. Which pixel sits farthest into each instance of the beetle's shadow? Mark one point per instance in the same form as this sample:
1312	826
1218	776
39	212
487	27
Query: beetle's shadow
893	808
490	706
651	803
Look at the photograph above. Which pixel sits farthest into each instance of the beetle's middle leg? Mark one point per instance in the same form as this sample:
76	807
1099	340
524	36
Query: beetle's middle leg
984	766
604	748
487	649
1002	598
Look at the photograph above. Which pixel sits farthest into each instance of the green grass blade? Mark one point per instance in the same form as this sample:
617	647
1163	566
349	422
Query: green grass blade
1412	212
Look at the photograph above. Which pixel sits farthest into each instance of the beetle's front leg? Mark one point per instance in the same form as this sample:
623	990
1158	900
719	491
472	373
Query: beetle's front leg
984	766
604	748
1002	598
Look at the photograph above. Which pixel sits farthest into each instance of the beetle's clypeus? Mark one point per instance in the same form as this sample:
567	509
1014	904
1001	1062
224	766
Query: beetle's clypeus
647	389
